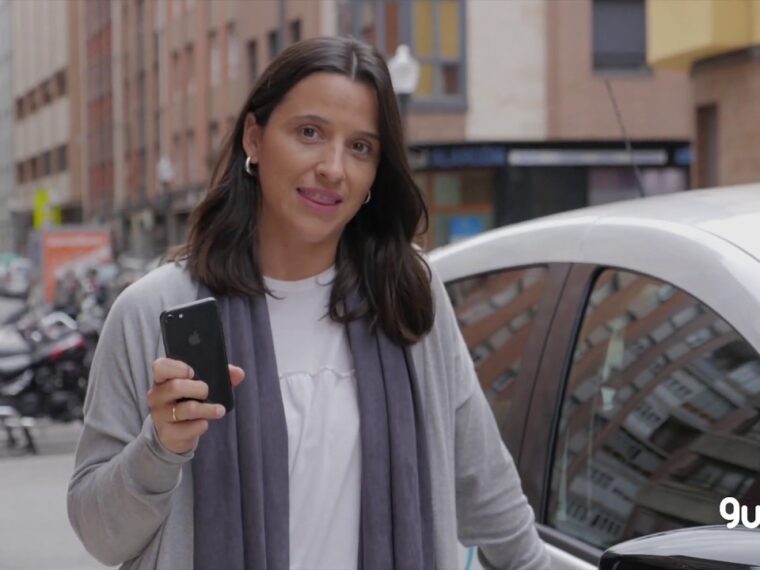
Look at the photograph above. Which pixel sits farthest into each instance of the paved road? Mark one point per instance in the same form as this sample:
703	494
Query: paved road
34	528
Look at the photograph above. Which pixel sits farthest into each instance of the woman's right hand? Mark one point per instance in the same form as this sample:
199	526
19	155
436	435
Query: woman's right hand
179	425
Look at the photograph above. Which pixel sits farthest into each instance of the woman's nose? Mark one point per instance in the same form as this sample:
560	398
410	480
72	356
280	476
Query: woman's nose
332	167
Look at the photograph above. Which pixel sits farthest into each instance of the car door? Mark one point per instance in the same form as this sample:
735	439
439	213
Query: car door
505	316
645	415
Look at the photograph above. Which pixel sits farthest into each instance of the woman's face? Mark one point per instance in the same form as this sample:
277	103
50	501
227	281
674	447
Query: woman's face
317	158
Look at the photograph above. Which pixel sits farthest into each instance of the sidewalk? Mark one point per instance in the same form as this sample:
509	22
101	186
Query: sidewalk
34	527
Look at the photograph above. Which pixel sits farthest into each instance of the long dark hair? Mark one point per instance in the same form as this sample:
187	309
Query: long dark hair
376	256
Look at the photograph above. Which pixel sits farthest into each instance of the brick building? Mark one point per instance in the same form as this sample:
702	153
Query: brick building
520	110
721	51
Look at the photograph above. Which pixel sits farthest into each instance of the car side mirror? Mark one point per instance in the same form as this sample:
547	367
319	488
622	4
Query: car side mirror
700	548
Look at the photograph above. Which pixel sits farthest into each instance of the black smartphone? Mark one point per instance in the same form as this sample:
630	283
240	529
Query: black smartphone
193	333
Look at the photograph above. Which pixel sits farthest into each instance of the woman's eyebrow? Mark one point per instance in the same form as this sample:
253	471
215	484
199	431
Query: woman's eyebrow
321	120
312	117
369	135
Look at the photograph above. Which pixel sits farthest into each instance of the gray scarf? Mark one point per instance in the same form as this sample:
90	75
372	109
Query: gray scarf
240	468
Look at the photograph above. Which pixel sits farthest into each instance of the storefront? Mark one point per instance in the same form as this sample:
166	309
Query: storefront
475	187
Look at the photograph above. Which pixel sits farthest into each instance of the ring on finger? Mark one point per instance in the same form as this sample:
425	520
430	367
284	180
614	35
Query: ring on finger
174	413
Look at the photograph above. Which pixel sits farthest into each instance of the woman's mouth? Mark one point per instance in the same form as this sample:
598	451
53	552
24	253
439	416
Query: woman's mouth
320	200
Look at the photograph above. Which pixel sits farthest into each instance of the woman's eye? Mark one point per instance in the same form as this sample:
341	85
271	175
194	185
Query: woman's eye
362	148
309	132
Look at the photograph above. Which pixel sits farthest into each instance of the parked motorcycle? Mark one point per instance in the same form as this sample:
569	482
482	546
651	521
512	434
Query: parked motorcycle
44	365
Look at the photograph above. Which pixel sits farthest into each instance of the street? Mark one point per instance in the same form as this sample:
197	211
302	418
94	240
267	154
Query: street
34	529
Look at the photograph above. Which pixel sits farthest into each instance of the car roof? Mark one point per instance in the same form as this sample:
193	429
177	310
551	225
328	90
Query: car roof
732	213
704	241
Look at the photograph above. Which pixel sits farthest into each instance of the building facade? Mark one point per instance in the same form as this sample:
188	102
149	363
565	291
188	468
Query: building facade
550	98
721	51
523	108
520	110
181	70
7	109
49	139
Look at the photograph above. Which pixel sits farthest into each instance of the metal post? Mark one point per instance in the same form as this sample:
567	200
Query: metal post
403	105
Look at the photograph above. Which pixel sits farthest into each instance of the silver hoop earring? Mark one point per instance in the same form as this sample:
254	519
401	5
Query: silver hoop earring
368	198
250	166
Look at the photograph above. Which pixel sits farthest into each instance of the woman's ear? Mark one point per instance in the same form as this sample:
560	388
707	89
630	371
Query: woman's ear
251	137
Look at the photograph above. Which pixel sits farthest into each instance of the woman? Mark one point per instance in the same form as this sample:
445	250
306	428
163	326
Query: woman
360	438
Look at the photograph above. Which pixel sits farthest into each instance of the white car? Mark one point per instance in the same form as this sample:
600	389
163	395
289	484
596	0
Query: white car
15	277
619	347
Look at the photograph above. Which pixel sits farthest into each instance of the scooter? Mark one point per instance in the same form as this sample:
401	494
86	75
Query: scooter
44	368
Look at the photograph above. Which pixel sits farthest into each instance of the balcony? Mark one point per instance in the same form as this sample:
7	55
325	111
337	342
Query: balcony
683	32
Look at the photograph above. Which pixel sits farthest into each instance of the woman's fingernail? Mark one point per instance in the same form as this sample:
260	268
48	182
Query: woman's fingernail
220	411
190	372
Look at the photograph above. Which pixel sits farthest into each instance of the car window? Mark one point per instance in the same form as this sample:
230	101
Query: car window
496	313
661	415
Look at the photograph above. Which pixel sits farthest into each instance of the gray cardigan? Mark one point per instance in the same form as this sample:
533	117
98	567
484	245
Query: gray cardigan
130	500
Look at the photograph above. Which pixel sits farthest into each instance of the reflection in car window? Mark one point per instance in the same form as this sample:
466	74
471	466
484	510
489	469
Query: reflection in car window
660	419
495	313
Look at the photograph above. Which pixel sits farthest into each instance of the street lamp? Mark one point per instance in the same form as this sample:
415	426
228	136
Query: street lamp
405	74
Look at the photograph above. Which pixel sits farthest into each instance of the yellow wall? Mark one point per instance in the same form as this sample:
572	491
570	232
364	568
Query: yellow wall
680	32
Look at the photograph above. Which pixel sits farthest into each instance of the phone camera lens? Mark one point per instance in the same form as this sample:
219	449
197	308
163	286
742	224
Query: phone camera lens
180	315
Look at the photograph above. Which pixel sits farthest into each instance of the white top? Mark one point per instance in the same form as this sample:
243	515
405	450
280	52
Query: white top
321	410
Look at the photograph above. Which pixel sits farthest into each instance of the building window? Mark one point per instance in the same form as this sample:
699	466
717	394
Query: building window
295	31
39	161
46	94
434	30
253	62
233	52
47	163
177	157
437	44
192	158
273	42
176	73
461	204
215	58
215	140
707	173
619	36
190	68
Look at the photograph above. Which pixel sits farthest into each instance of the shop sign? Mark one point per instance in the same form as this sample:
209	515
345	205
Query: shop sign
476	156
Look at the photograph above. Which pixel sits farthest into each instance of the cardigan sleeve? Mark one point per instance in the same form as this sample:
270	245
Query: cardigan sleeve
492	511
119	494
